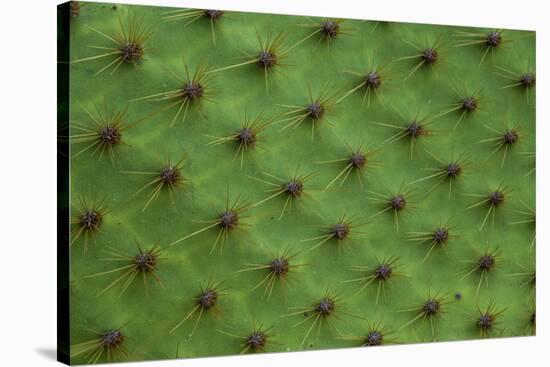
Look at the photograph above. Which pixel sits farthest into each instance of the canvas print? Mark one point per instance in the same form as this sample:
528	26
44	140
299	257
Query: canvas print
233	182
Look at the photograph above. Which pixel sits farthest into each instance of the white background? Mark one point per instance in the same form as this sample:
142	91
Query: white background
27	181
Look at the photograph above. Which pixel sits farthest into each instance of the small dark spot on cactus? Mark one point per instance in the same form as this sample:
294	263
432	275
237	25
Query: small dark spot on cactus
533	319
453	170
294	188
458	296
316	110
109	136
114	7
325	307
279	266
431	307
414	129
208	299
170	176
383	272
527	80
131	52
246	136
510	137
373	338
496	198
486	322
213	14
430	55
494	39
112	339
398	202
91	220
357	160
340	231
192	90
373	80
486	262
228	220
330	28
256	341
469	104
267	59
440	236
145	261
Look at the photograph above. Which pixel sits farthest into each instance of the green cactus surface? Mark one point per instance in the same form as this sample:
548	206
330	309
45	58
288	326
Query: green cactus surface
245	182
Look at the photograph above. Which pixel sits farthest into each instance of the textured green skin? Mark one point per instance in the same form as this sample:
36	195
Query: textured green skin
210	170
